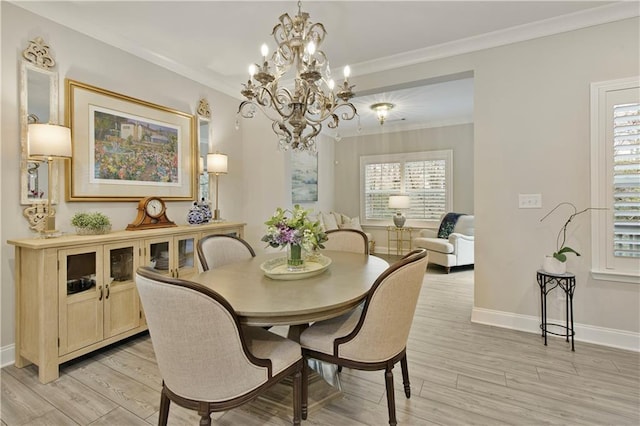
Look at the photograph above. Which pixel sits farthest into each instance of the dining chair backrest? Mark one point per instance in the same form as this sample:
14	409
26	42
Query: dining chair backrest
383	327
197	339
217	250
351	240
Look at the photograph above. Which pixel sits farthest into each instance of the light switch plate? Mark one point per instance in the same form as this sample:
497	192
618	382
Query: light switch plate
530	201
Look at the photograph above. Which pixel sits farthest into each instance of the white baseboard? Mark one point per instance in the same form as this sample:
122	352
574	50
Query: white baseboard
584	333
7	355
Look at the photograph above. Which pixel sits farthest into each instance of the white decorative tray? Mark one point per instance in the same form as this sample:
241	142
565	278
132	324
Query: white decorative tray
277	268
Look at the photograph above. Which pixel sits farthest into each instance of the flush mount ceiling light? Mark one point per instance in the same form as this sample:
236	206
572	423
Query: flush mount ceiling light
297	112
382	109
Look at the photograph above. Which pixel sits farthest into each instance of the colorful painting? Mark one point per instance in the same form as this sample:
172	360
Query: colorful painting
132	150
304	177
126	149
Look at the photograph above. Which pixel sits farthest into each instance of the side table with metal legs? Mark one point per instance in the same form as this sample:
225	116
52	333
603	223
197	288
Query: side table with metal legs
567	283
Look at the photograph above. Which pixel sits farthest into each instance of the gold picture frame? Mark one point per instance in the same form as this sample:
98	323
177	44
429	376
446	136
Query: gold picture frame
125	149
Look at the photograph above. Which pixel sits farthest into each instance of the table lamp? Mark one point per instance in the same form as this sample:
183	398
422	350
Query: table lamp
47	142
399	202
216	165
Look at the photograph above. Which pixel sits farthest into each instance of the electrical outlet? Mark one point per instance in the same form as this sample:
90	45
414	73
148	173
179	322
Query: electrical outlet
530	201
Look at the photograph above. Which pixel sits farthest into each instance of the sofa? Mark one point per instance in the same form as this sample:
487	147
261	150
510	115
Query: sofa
333	220
452	244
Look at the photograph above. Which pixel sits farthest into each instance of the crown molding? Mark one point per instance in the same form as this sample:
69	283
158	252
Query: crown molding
596	16
570	22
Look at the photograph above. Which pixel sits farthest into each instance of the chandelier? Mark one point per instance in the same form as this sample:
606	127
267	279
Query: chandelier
298	111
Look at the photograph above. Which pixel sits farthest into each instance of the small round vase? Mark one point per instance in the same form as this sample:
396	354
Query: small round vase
195	215
554	266
206	210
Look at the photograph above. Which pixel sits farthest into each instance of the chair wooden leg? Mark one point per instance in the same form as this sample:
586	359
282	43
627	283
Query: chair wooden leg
391	400
297	397
305	388
164	408
405	376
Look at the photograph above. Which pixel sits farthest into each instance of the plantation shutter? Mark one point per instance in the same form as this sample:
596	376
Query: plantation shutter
626	180
426	185
381	181
426	177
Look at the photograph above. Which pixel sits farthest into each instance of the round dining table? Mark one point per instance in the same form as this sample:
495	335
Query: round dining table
262	301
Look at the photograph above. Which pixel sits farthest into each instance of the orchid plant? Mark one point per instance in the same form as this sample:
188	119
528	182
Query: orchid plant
561	249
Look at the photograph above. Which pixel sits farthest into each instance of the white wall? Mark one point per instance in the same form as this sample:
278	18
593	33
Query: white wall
88	60
531	119
267	183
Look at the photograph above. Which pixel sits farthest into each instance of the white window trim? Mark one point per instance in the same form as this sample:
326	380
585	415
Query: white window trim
600	177
445	154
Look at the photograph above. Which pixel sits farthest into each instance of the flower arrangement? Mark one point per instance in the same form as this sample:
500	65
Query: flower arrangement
287	227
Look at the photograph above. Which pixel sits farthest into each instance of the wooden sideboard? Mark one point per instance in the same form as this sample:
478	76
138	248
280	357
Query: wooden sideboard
77	293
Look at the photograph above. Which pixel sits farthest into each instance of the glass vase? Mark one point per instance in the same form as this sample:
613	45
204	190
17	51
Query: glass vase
294	257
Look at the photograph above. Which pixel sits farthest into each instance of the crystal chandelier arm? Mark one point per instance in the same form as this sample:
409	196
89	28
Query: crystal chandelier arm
332	113
316	33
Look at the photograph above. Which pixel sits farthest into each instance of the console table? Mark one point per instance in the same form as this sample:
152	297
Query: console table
567	283
77	293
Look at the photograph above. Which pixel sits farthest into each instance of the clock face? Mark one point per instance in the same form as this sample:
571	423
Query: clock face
154	207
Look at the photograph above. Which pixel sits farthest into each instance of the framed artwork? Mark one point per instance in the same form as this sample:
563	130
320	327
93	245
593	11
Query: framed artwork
304	176
125	149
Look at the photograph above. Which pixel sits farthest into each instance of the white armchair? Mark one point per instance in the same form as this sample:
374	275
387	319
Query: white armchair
456	250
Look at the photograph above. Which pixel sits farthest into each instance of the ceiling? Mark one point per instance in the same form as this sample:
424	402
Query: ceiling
213	42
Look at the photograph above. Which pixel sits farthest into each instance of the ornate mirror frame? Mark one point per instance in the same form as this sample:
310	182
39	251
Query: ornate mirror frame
204	145
38	102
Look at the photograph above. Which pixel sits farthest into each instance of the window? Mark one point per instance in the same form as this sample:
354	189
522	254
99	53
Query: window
426	177
615	185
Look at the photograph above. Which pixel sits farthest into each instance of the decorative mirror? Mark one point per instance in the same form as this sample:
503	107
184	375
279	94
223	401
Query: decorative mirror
38	104
204	131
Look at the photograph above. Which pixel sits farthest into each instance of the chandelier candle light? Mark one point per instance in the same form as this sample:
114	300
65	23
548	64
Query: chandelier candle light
297	112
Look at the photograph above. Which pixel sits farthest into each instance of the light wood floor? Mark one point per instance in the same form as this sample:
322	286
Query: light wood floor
461	374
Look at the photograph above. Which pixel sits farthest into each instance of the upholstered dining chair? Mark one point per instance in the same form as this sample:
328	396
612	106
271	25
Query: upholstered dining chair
351	240
208	362
373	336
218	250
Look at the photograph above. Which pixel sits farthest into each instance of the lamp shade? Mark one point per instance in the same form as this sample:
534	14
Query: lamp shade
49	140
217	163
399	202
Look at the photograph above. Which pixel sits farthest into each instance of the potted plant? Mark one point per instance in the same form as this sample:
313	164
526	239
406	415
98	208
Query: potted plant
556	263
91	223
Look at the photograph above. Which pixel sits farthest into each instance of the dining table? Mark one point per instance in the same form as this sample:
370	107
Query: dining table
260	300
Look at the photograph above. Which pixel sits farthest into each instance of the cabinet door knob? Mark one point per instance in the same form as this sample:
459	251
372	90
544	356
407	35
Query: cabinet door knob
100	288
107	296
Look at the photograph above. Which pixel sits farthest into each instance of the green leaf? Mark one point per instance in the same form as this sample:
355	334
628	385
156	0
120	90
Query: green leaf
566	249
560	256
